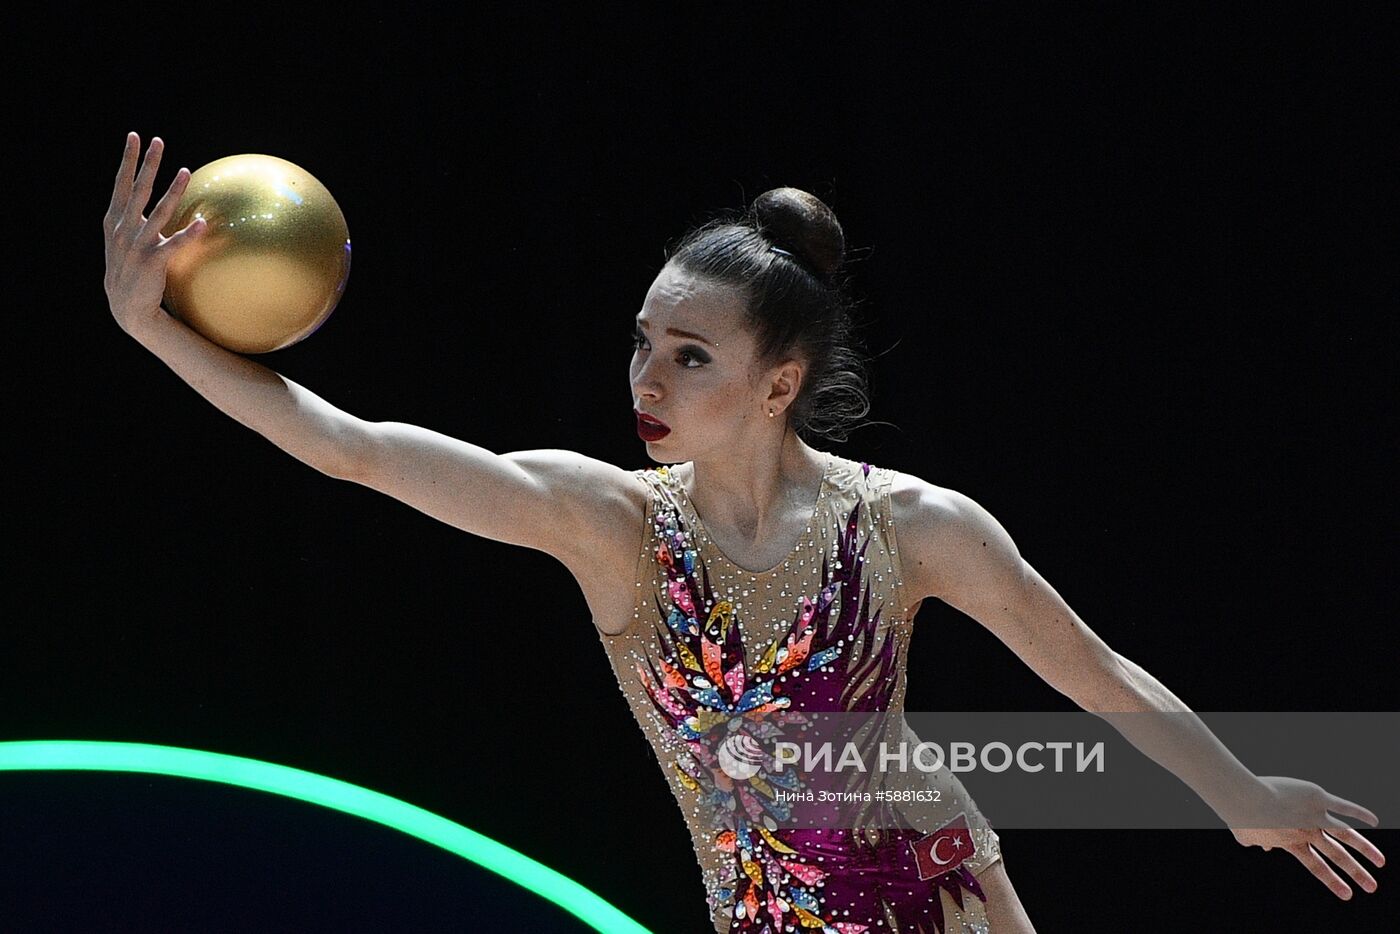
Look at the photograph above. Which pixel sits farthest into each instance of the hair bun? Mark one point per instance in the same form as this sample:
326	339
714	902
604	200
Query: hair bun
794	218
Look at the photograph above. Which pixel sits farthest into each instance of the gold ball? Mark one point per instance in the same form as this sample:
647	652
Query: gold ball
272	261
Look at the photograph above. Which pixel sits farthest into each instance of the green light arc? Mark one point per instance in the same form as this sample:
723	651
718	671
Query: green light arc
327	792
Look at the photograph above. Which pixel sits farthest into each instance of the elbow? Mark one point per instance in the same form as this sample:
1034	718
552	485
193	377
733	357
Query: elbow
1113	688
341	470
349	453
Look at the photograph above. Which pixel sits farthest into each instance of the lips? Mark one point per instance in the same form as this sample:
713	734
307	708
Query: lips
651	429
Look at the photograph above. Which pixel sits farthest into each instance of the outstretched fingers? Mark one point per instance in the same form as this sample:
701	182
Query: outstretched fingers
145	180
1343	858
1352	838
164	208
1318	866
121	188
1351	809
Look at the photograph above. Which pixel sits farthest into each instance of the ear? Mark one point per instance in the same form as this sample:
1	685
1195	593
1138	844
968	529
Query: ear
785	382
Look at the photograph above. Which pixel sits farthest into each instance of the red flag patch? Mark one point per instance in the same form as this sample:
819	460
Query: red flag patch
945	849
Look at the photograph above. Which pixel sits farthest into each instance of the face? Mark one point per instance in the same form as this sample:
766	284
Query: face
704	384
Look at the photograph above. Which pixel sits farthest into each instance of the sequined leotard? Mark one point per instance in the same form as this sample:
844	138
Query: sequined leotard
825	630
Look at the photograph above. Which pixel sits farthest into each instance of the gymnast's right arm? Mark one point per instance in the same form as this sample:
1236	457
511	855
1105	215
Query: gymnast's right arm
538	499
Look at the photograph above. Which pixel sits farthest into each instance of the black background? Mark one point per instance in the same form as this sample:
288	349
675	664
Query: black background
1128	273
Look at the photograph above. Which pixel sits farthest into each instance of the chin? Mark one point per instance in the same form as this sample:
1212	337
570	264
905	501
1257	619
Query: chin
658	452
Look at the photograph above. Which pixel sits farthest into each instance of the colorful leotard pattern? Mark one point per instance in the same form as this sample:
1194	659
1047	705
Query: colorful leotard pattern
825	630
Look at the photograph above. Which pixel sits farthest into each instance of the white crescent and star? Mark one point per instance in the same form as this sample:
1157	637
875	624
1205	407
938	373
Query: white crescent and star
957	842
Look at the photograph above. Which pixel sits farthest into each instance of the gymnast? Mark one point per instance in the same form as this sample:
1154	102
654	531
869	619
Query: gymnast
751	572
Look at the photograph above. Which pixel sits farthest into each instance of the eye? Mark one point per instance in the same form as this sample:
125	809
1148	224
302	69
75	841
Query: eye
692	352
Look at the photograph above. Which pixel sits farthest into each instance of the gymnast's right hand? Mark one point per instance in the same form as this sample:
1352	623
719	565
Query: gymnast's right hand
137	254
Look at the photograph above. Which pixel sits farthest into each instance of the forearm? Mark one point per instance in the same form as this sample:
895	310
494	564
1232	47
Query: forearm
290	416
1163	728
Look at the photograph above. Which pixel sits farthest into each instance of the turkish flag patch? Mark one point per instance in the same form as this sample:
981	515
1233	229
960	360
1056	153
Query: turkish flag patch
945	849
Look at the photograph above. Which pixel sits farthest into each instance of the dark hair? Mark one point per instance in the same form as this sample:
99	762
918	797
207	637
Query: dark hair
796	305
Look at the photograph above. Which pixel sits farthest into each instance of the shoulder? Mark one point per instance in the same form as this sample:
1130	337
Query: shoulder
598	503
944	536
922	508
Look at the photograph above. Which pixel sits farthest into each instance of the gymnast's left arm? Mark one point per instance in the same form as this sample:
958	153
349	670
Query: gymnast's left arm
953	549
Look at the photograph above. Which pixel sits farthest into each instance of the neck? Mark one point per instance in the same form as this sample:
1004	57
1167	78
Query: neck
757	495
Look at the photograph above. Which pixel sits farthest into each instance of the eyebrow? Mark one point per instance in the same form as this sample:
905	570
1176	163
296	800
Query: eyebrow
675	332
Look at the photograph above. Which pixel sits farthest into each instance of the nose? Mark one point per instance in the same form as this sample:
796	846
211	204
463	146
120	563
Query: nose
644	385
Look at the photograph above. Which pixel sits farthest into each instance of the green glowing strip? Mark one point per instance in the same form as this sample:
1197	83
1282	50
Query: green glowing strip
328	792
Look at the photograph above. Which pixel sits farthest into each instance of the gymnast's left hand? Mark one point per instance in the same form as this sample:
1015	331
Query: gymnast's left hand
1298	814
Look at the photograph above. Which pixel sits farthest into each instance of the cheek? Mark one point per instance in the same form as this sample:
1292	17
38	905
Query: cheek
734	398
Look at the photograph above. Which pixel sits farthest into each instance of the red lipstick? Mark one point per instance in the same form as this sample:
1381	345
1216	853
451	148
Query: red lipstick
651	429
